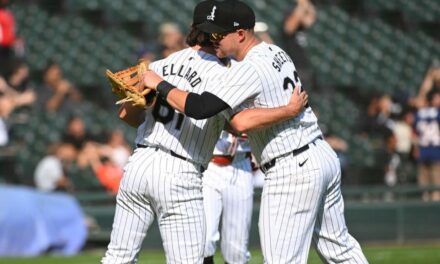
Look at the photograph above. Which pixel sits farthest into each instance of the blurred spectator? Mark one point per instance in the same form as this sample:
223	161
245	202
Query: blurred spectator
16	99
261	30
405	140
17	76
368	120
17	84
89	156
378	116
301	17
50	174
113	156
427	125
109	174
387	165
369	123
116	148
94	159
170	38
9	101
403	131
5	93
386	110
57	93
7	36
93	163
52	74
6	107
391	159
76	133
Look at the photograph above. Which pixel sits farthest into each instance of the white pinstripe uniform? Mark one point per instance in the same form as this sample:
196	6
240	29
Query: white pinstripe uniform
156	181
227	193
301	199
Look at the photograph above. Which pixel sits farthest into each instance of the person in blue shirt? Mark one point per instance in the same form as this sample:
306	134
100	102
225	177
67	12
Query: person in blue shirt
427	126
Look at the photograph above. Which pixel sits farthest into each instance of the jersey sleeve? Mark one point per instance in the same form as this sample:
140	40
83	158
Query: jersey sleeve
245	105
238	84
154	67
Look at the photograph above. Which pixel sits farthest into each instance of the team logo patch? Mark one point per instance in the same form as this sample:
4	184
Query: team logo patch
212	15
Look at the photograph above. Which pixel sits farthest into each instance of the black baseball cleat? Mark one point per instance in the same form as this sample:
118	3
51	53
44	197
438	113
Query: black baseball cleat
208	260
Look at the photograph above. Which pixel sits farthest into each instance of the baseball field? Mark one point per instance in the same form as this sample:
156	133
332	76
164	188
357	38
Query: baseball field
414	254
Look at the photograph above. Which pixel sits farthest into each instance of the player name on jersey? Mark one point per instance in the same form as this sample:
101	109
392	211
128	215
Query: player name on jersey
190	75
279	59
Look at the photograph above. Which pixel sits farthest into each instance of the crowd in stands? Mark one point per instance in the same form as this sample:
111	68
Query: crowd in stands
405	128
102	156
408	131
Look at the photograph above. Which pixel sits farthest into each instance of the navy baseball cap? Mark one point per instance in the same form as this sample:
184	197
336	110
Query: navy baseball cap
224	16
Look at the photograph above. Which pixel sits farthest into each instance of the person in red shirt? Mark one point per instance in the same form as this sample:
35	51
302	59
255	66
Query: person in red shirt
109	175
7	35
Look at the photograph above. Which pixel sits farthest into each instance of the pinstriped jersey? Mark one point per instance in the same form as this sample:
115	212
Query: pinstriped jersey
265	78
192	71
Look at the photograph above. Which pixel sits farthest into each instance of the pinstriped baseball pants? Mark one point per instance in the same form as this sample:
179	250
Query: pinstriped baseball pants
228	195
303	205
158	184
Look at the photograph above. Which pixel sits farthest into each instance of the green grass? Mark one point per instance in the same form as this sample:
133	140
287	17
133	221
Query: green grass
422	254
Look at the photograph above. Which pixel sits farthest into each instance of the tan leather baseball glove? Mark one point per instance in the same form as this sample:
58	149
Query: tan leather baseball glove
127	84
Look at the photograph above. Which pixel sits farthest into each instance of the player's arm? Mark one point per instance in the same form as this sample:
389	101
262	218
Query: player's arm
207	105
197	106
132	115
228	127
257	118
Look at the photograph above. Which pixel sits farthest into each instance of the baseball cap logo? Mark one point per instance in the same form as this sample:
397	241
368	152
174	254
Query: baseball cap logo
236	24
212	16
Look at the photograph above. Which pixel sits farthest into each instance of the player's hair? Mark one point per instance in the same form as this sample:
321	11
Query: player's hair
197	37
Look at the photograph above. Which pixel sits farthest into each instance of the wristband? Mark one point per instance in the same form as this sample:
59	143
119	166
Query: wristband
164	88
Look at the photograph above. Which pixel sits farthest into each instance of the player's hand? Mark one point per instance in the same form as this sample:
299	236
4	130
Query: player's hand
129	86
298	101
151	79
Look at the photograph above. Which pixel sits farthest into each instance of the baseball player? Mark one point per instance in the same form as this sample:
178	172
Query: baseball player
163	176
301	200
227	195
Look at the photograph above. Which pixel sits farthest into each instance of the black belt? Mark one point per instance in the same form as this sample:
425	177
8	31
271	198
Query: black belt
172	153
266	166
